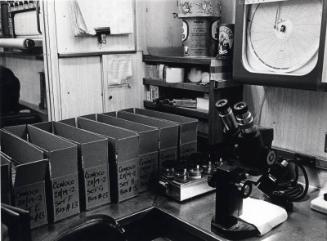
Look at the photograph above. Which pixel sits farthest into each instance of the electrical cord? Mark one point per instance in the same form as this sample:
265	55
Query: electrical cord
302	191
292	190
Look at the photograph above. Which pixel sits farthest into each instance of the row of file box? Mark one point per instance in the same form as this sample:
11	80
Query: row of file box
62	168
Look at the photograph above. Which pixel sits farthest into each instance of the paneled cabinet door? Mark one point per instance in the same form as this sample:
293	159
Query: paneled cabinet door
80	86
123	86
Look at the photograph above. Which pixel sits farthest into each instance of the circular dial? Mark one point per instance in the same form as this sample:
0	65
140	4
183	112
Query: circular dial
284	36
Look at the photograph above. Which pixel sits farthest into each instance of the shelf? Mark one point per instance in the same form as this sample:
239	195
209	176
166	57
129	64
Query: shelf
182	86
221	86
226	84
34	107
195	113
22	54
191	86
204	61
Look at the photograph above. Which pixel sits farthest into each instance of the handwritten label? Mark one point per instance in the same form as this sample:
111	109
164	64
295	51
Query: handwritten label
188	149
127	179
32	198
65	196
147	166
96	186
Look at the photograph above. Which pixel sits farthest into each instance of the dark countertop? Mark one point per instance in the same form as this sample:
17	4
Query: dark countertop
302	224
118	211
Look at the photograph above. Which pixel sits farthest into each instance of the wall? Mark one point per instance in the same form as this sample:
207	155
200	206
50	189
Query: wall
81	86
299	118
162	28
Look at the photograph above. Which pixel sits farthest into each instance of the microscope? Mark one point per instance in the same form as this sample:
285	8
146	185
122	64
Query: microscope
248	160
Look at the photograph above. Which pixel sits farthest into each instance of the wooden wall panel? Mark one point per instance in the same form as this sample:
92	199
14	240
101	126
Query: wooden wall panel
116	98
81	86
69	44
299	118
162	28
27	71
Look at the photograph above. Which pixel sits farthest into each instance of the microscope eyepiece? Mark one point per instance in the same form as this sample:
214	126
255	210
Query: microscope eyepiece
226	115
222	106
244	118
240	108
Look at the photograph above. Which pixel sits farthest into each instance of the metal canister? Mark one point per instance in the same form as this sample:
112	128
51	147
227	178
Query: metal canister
200	36
225	41
200	26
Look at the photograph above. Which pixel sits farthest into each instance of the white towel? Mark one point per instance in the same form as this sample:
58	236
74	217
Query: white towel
263	215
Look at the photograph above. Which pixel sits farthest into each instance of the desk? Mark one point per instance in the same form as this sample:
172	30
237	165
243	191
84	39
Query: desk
302	224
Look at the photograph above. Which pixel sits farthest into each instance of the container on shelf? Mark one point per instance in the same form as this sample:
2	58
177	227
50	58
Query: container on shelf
199	8
200	26
173	75
225	41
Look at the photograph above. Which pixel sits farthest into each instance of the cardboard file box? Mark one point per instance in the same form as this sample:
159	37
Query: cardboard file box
62	156
6	179
188	129
123	157
31	174
93	162
168	133
148	147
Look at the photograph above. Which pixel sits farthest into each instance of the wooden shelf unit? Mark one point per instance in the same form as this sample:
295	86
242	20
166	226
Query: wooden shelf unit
195	113
191	86
173	60
38	55
182	86
215	89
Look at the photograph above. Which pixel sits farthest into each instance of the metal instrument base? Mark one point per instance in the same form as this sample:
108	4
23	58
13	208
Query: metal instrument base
183	191
240	230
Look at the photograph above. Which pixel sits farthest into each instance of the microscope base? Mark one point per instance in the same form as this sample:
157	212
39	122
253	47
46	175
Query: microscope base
240	230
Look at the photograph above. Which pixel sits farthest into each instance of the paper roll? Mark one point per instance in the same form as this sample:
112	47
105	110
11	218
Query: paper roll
20	43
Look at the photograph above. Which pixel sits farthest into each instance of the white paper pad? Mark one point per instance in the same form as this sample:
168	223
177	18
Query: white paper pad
264	215
319	204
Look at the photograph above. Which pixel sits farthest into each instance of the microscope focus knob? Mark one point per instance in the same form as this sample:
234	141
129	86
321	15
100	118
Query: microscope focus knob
245	188
271	158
